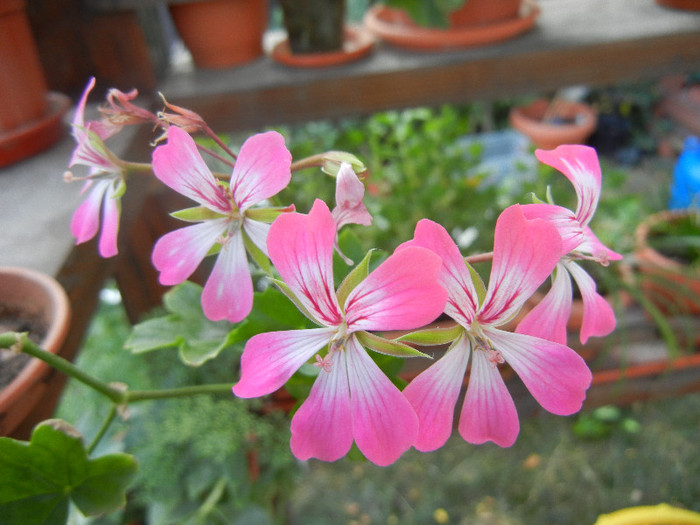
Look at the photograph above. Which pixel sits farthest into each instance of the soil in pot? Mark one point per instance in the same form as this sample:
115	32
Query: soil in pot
11	363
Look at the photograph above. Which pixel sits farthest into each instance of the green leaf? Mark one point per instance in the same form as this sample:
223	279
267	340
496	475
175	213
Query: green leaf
185	327
387	346
432	336
257	254
478	283
196	214
41	477
355	277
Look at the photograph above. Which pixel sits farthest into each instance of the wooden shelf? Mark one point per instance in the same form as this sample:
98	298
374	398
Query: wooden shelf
594	42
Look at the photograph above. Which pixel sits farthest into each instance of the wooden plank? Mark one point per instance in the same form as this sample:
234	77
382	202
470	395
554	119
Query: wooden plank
595	42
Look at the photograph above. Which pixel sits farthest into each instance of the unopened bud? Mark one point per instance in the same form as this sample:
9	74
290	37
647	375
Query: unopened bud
333	159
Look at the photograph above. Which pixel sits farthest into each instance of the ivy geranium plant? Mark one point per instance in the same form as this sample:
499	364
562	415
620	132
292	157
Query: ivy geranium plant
291	301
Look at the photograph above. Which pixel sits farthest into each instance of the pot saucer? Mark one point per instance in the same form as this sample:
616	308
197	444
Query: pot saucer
394	26
358	43
37	135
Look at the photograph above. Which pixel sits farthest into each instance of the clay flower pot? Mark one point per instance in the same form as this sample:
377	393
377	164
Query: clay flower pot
33	302
221	33
551	124
670	283
469	26
317	35
30	115
483	12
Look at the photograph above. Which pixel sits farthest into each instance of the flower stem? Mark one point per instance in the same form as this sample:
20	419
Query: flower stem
118	396
314	161
24	344
103	429
479	257
183	391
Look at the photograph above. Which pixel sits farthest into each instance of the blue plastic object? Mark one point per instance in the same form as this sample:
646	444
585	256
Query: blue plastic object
685	188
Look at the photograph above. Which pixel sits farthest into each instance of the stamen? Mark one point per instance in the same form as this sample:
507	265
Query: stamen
494	356
324	363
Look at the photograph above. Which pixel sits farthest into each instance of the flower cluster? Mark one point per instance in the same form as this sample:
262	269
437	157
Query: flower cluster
352	400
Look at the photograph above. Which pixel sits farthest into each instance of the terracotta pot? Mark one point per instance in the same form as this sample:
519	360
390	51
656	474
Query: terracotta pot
396	27
22	84
685	5
579	122
482	12
358	44
221	33
666	281
39	301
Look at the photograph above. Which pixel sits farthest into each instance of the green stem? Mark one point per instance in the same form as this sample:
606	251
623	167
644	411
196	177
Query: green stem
103	429
20	342
12	340
183	391
134	167
314	161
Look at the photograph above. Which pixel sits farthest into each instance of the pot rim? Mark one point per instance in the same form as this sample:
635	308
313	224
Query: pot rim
57	330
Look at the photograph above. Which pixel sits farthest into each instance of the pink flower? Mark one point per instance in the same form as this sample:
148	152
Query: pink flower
349	192
351	399
225	220
580	165
349	209
525	252
104	185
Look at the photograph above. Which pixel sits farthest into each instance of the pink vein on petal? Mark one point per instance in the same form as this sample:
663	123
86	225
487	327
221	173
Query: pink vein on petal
525	252
462	302
179	166
400	294
301	248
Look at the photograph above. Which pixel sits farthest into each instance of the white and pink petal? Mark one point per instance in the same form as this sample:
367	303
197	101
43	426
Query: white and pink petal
177	254
111	207
383	422
322	427
262	169
563	219
402	293
433	394
301	248
228	292
270	359
556	376
580	165
598	316
178	165
488	412
462	302
525	253
86	218
548	319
